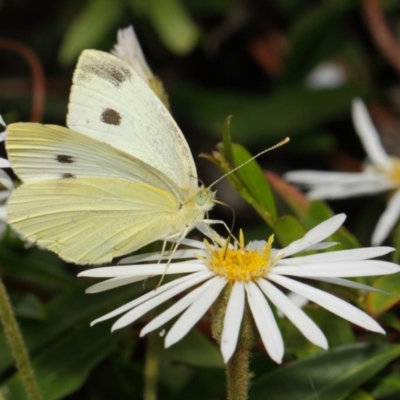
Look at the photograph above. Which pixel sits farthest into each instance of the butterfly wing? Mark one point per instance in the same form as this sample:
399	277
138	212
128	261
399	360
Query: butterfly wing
41	152
111	103
91	220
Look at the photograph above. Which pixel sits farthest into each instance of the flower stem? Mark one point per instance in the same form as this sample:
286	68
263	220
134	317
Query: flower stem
17	346
238	374
151	368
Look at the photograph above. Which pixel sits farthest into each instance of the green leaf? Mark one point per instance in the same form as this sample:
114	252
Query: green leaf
396	244
95	20
288	229
65	312
195	350
263	119
175	27
63	367
388	386
360	395
254	179
378	303
318	212
29	306
35	267
332	375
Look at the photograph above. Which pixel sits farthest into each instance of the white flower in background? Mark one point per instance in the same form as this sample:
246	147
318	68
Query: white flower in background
252	274
326	75
128	48
381	173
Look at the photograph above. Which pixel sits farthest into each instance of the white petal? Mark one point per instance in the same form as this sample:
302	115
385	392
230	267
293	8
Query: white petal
4	163
177	285
326	75
345	191
177	308
232	321
197	244
156	256
387	220
5	179
351	284
331	303
368	135
157	299
4	195
2	121
128	49
295	314
297	299
317	178
315	235
320	246
192	315
265	322
146	269
3	214
114	283
341	255
340	269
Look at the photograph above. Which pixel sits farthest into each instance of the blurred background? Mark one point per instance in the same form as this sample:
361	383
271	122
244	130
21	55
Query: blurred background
279	67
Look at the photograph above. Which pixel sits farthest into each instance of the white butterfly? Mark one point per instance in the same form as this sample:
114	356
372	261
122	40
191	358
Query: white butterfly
122	176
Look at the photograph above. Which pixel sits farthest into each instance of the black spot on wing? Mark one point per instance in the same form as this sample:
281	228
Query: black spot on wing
67	175
111	117
64	159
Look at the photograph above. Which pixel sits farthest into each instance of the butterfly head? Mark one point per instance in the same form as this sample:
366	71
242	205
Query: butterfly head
205	199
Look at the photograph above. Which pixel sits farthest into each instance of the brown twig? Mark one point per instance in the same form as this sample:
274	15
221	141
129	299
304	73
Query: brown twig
38	79
381	33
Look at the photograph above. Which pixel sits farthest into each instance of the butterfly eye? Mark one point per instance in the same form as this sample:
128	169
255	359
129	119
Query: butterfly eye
201	198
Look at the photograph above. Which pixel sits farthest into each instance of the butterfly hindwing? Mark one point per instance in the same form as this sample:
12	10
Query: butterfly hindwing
111	103
91	220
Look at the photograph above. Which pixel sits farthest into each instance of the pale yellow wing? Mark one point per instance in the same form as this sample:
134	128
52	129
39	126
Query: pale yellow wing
40	152
110	102
91	220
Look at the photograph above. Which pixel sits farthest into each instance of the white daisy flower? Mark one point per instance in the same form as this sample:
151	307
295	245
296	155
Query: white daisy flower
327	74
128	48
381	173
255	274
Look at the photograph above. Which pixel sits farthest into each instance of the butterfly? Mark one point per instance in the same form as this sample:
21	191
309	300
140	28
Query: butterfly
120	177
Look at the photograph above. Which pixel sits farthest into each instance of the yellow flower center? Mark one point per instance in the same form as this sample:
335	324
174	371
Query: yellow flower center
239	264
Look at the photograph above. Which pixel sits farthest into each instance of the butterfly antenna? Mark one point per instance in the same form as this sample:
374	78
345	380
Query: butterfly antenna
229	230
281	143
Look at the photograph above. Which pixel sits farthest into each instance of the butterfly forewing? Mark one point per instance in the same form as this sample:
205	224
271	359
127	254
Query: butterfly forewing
111	103
40	152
